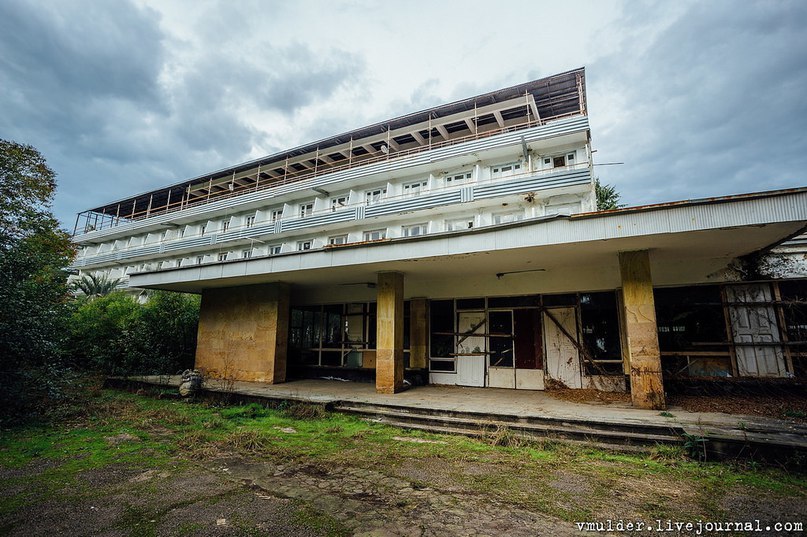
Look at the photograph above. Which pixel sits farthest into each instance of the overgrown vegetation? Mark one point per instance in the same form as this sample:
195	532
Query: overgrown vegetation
119	430
48	337
33	292
118	335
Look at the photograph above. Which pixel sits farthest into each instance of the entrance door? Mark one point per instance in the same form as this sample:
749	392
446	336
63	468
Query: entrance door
529	349
562	358
501	366
755	323
471	350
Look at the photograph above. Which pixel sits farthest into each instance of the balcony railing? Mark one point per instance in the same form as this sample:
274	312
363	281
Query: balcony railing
104	221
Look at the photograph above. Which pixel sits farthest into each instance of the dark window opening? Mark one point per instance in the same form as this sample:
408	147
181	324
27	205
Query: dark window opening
441	321
793	296
600	331
692	331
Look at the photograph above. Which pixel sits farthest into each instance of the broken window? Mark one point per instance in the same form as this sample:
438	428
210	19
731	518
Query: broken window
500	339
334	335
459	225
692	331
600	327
793	297
337	202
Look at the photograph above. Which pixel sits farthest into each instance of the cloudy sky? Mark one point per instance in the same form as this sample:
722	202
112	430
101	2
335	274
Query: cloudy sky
695	98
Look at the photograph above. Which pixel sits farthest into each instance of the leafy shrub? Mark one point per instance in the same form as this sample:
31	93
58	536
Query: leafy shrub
115	334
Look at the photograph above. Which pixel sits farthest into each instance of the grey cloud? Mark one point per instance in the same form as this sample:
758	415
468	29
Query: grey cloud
714	106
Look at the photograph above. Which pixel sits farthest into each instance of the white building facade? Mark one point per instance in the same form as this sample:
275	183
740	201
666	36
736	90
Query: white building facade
457	245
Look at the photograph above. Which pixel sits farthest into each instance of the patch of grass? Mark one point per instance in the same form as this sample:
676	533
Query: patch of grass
244	412
248	441
669	452
666	414
304	411
501	435
320	523
791	413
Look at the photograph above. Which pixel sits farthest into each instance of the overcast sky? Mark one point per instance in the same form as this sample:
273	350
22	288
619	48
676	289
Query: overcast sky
696	98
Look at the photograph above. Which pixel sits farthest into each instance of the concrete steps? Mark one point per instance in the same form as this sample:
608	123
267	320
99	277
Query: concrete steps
621	436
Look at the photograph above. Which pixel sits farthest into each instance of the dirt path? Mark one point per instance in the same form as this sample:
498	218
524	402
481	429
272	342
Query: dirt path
241	496
372	503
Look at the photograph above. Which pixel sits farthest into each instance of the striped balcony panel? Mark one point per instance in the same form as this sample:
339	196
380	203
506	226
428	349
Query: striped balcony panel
536	182
412	204
342	215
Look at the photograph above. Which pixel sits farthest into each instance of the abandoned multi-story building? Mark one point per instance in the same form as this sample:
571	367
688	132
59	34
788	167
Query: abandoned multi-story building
462	245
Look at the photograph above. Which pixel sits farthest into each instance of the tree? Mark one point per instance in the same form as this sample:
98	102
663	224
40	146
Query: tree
33	255
607	196
95	285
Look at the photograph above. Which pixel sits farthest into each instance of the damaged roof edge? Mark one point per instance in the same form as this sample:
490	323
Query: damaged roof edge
413	118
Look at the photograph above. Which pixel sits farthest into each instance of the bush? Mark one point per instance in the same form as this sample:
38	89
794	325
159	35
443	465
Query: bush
117	335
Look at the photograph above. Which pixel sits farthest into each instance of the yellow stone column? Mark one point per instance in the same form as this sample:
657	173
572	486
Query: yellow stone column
641	331
418	333
389	334
243	333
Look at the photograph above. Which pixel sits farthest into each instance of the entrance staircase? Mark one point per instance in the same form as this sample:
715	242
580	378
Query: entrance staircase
624	436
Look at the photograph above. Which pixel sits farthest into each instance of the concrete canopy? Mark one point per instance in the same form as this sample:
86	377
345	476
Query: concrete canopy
690	242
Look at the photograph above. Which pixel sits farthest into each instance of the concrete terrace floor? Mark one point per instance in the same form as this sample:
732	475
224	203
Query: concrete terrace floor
517	403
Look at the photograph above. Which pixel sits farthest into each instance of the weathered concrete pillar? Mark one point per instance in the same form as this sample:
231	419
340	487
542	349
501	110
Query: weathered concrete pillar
243	333
389	334
641	331
418	333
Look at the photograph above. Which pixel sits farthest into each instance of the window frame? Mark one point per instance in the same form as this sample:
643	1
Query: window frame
423	227
514	168
459	178
337	202
306	209
375	195
420	184
367	235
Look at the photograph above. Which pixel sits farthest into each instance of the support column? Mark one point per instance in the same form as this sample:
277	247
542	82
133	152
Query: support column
418	333
243	333
641	331
389	333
